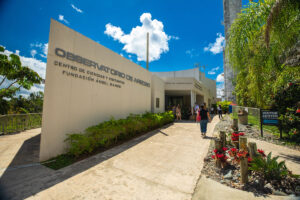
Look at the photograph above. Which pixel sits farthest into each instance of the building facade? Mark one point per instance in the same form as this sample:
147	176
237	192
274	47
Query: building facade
230	8
187	87
87	83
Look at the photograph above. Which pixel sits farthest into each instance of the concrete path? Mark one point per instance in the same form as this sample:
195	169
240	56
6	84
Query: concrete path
208	189
19	149
163	164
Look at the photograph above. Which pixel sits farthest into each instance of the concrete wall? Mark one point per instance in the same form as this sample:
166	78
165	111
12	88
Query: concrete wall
211	88
208	85
230	8
86	86
189	73
157	91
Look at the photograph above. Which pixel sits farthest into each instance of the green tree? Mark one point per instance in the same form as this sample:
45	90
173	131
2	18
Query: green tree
14	75
31	104
259	65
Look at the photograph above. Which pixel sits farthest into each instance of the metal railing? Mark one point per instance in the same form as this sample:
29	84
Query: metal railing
19	122
253	114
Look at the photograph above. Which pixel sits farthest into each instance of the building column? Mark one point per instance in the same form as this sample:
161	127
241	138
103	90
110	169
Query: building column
193	100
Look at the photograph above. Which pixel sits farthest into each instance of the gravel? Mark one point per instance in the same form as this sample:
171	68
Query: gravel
230	175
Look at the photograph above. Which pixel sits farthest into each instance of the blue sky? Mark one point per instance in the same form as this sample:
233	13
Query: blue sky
192	30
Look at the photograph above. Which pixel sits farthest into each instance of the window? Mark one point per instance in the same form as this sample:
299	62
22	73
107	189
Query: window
157	102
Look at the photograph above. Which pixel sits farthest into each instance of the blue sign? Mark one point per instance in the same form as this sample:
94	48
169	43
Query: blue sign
269	117
270	121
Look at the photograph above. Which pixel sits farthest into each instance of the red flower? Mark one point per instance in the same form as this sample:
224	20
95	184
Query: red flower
213	157
233	150
242	154
241	134
220	155
215	150
225	148
290	84
235	135
261	152
234	138
249	159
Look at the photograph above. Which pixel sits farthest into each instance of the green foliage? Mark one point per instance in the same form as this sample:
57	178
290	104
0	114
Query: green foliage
111	132
14	75
59	161
259	68
20	105
269	168
224	105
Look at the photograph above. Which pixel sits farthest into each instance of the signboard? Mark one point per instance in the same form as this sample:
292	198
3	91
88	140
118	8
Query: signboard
269	117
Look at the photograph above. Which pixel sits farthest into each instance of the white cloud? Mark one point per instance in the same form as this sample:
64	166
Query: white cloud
45	51
43	48
192	53
218	46
174	37
220	90
39	45
77	9
17	52
33	52
135	41
220	77
213	70
62	18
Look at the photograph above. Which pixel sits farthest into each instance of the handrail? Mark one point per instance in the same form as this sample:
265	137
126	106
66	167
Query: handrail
12	123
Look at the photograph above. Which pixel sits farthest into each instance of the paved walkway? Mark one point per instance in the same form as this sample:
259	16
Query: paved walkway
163	164
19	149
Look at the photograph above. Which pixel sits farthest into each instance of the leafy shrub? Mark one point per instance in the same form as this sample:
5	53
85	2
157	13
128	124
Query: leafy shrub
224	105
269	168
108	133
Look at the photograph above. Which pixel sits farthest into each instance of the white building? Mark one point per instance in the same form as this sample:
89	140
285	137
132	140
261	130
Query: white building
187	87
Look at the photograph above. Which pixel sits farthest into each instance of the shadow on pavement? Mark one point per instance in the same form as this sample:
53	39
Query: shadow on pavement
293	158
25	177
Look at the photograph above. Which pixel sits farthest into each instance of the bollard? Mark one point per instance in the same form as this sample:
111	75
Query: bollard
252	149
235	125
243	143
222	136
218	146
244	170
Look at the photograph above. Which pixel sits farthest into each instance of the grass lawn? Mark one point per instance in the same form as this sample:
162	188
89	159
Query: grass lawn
274	130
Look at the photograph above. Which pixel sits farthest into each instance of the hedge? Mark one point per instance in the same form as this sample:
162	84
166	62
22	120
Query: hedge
111	132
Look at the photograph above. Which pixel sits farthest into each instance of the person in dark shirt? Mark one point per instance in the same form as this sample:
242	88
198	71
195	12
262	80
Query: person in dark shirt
204	116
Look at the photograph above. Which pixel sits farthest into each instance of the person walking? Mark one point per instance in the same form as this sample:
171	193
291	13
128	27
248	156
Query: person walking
204	117
178	112
198	118
220	112
174	110
212	110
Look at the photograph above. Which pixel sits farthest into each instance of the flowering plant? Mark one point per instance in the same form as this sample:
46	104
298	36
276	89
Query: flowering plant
261	152
237	155
235	136
220	155
249	160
